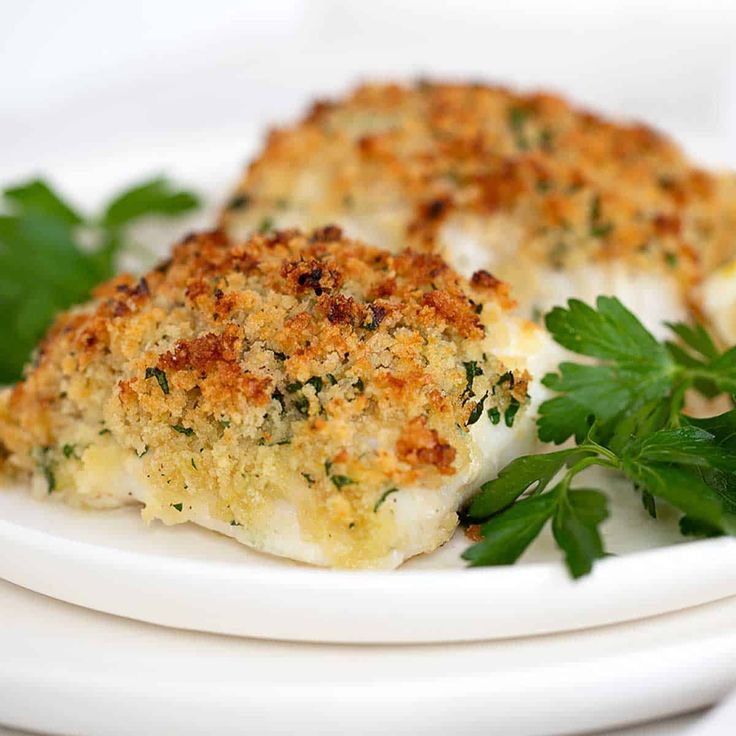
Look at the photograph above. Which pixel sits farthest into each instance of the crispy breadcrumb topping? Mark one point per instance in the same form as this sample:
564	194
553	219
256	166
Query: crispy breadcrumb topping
237	373
568	186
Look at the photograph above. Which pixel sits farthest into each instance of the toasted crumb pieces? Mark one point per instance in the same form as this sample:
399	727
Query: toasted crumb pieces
528	181
306	367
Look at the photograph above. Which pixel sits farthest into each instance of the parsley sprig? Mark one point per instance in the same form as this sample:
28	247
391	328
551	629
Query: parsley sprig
625	413
51	255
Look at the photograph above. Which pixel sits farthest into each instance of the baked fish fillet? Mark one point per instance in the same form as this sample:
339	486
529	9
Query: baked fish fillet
308	395
554	200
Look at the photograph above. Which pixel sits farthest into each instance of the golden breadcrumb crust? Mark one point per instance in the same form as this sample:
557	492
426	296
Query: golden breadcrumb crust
236	373
569	186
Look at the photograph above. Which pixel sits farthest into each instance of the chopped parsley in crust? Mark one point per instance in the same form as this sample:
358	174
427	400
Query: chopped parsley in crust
275	390
519	184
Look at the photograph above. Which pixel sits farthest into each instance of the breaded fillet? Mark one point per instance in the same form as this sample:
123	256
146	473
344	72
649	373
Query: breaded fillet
310	396
554	200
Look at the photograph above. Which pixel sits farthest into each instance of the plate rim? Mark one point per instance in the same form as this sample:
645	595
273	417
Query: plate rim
364	606
642	666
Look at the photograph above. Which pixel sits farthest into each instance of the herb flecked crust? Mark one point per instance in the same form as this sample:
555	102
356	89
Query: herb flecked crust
535	179
307	368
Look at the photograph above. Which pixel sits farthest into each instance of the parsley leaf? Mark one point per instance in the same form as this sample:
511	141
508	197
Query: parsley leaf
695	528
575	514
649	418
47	263
516	478
687	491
637	368
713	372
695	337
688	445
575	529
649	503
506	536
723	370
37	197
154	197
610	333
626	413
721	427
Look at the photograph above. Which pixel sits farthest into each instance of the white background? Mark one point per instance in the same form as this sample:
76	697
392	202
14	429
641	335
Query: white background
88	78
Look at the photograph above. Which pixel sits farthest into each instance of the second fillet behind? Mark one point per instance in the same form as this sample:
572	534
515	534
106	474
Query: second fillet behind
554	200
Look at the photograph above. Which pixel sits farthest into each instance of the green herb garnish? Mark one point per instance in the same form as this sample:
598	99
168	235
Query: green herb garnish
301	403
507	377
518	117
383	497
598	228
177	506
316	382
510	413
546	140
625	414
239	202
340	481
46	264
48	471
477	411
472	369
188	431
160	376
266	225
634	368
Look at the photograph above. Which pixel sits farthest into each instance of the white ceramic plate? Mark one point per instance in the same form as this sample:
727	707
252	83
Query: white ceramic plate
64	670
190	578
